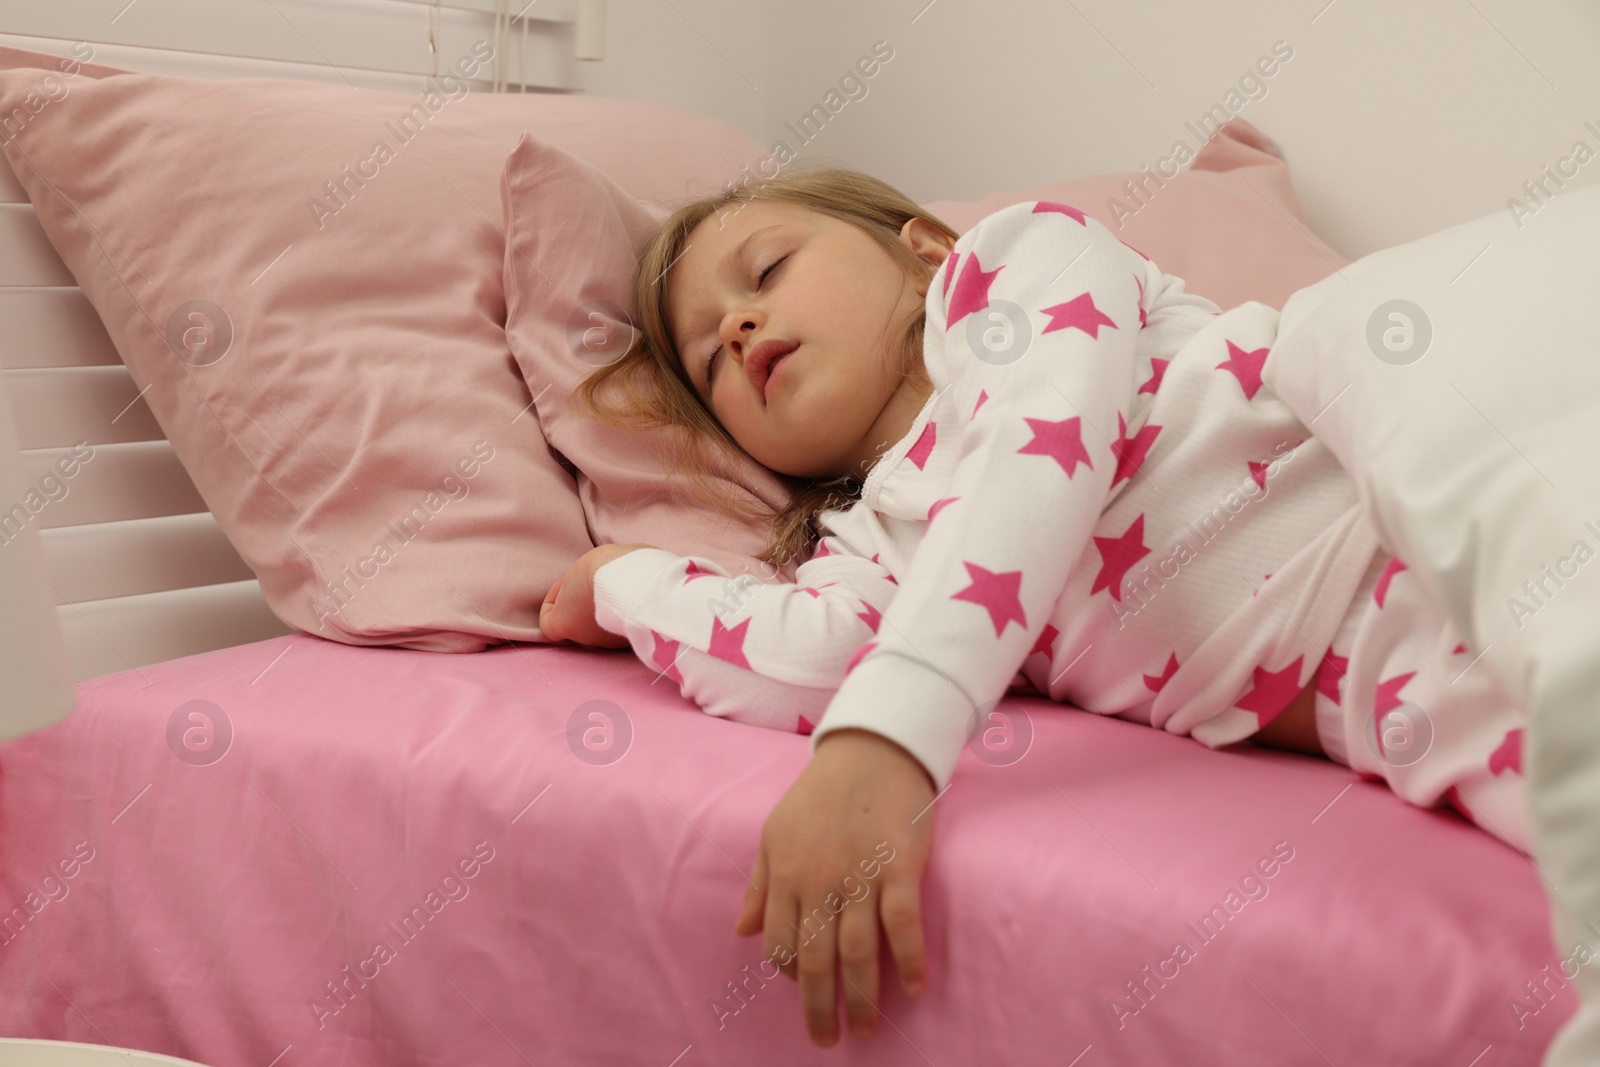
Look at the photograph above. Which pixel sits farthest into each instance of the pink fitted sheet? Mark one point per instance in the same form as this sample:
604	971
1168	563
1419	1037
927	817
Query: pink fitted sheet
221	897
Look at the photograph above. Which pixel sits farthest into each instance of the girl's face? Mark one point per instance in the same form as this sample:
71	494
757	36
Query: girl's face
775	271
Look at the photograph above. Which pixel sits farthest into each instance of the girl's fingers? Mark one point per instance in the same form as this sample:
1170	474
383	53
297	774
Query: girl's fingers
550	621
858	965
819	995
568	615
755	898
900	907
777	923
551	597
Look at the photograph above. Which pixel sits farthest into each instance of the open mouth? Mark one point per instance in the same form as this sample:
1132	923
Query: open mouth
763	360
772	372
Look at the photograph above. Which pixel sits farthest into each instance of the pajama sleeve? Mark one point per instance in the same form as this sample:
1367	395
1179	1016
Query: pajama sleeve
1032	322
757	653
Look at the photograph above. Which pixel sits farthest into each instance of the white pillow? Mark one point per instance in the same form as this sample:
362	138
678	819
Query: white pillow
1478	450
1477	455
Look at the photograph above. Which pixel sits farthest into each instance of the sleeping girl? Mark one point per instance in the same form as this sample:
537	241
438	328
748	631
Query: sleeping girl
1024	460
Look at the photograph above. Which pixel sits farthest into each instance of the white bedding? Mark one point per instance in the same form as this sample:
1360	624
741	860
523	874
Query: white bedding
1476	454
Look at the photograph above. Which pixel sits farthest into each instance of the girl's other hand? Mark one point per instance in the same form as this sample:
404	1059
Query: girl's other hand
861	805
567	613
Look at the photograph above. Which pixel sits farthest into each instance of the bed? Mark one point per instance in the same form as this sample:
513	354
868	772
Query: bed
285	848
232	908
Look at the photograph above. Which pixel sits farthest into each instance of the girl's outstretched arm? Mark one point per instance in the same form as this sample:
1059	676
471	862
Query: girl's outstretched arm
863	807
862	782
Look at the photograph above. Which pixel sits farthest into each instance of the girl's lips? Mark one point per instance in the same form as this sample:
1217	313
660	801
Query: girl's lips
772	372
762	356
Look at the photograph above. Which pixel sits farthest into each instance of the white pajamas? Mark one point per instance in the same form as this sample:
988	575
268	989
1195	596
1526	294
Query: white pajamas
1100	502
1402	700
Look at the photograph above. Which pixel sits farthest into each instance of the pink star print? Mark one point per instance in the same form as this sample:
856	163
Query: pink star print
1080	312
855	657
807	589
939	505
1156	682
804	726
950	270
1046	642
1143	318
1158	370
822	549
728	644
972	290
1330	673
696	571
665	656
1246	366
983	394
869	615
1384	701
1044	206
996	592
1117	555
1272	691
924	447
1061	441
1131	451
1380	592
888	576
1258	472
1509	755
1387	697
1459	649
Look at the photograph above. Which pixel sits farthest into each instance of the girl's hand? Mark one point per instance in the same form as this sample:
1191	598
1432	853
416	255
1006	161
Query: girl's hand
567	613
857	817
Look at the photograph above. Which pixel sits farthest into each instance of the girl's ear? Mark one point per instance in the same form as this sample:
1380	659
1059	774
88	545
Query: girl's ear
928	242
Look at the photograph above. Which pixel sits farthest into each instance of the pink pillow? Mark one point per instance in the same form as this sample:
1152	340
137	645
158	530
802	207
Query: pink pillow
1218	226
331	368
573	240
1230	226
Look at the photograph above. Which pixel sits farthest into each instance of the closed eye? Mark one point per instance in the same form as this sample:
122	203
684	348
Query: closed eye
711	361
763	278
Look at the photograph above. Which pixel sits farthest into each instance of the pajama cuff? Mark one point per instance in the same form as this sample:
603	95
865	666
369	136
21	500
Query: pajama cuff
908	702
628	574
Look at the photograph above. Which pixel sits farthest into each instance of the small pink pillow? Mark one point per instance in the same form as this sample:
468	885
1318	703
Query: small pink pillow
319	322
1230	225
573	240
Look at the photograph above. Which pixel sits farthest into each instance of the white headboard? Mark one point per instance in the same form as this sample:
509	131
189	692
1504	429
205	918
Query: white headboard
127	538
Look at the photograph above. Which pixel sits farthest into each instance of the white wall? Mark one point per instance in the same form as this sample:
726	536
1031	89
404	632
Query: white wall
1397	119
709	55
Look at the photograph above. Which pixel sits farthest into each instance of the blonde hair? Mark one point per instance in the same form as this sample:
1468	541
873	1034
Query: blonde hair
656	390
